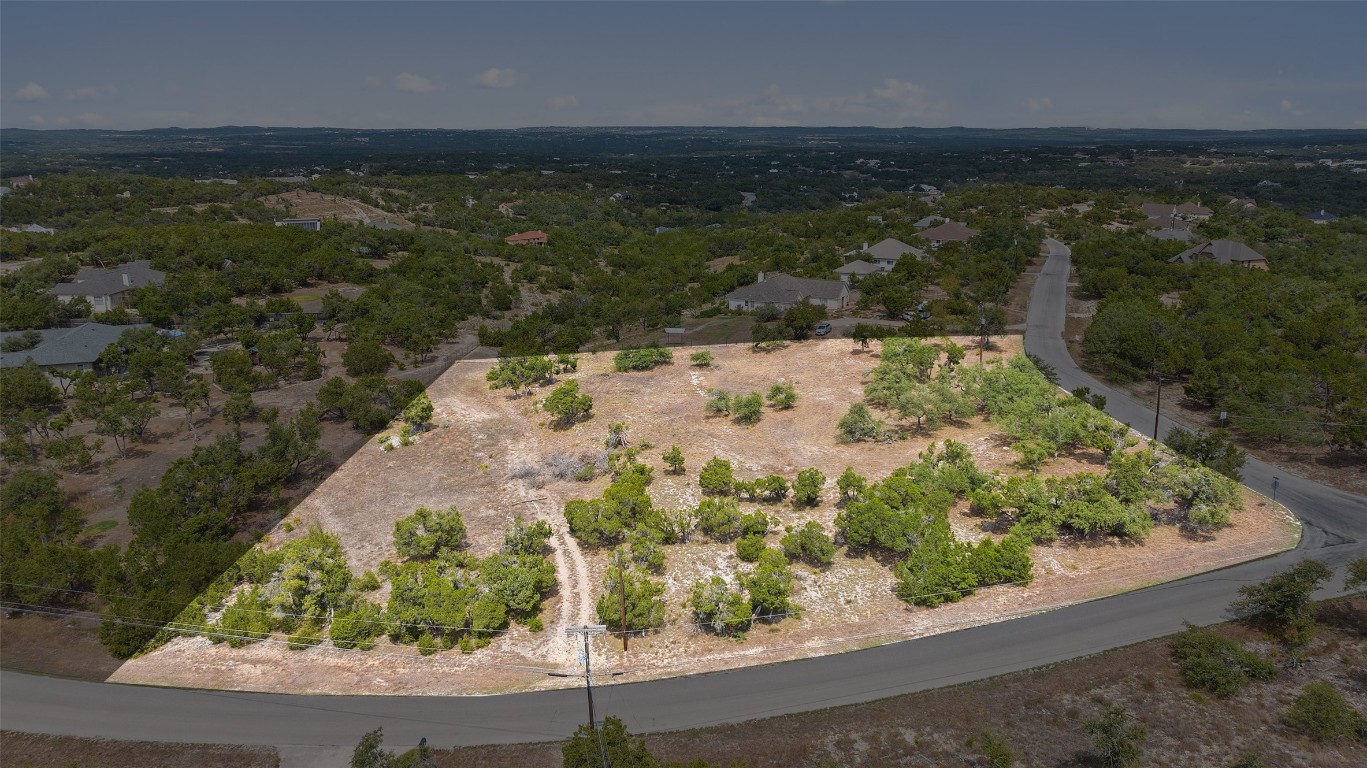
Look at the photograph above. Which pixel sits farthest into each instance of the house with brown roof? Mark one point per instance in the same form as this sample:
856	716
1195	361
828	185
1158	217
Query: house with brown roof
1222	252
106	289
948	232
1194	212
781	291
535	237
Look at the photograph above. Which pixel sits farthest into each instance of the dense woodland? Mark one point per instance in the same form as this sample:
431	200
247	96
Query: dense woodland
1278	350
638	242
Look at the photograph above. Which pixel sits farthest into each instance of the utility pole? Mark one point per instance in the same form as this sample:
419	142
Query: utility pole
982	333
593	629
1157	409
622	588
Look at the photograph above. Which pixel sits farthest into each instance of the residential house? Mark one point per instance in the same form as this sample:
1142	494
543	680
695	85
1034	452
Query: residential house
535	237
930	221
33	229
782	291
857	269
1222	252
18	182
312	225
1193	212
106	289
1322	217
68	349
886	253
948	232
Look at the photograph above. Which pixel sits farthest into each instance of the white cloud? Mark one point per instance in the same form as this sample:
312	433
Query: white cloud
1291	108
1039	105
36	119
90	93
907	98
411	83
89	118
32	92
372	81
562	102
497	78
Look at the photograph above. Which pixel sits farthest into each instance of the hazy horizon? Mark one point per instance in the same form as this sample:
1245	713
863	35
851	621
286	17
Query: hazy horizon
1212	66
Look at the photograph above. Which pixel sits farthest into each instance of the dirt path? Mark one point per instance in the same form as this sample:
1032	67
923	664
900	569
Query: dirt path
488	437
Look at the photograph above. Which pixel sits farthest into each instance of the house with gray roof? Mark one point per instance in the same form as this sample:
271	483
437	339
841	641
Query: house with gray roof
857	269
950	231
32	229
885	253
782	291
106	289
1322	217
68	349
1222	252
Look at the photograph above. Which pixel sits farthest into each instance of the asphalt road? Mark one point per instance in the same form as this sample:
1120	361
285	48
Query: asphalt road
322	729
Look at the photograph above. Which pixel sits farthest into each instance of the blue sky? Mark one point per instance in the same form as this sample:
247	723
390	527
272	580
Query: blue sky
1233	65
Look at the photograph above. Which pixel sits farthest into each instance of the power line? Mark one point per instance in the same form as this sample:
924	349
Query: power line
200	631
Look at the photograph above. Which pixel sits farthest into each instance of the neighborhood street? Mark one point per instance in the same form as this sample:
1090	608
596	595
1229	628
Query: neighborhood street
319	729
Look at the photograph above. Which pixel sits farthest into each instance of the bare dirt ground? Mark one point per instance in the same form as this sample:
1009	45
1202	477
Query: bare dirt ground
485	435
1338	469
31	750
304	204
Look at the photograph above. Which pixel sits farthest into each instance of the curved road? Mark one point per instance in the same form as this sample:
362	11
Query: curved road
324	728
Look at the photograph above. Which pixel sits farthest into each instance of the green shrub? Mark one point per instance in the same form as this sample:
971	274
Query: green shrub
1216	663
749	547
747	409
810	544
1322	712
642	359
674	459
718	403
720	609
782	396
807	487
701	359
719	518
308	635
358	626
368	582
859	424
717	478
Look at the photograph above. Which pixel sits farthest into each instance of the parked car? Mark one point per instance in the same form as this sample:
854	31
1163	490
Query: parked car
822	329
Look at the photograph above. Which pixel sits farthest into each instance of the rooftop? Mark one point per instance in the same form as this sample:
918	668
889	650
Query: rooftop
69	346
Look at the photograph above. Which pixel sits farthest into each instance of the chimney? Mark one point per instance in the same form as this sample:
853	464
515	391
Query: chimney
866	246
761	278
127	281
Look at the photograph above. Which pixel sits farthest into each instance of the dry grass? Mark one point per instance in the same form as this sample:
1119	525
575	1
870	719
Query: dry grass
1037	713
29	750
850	605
